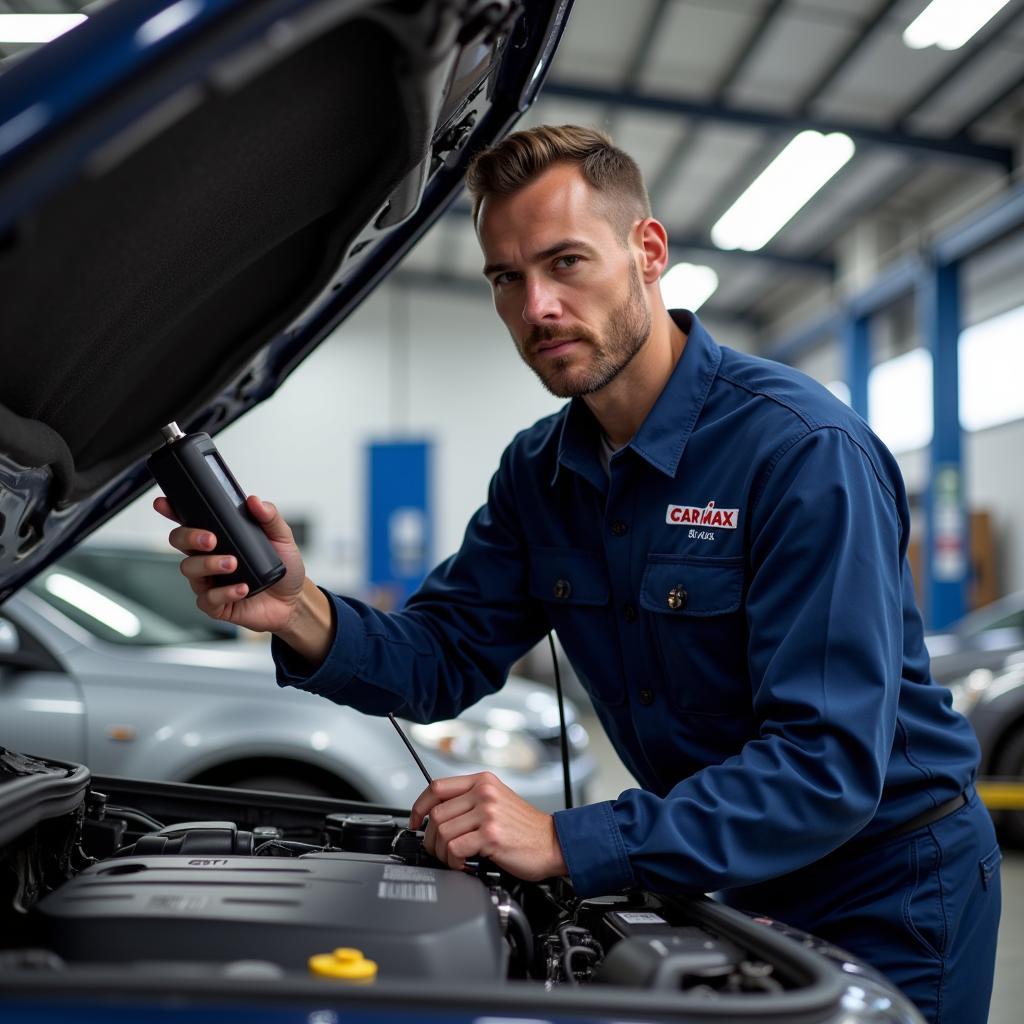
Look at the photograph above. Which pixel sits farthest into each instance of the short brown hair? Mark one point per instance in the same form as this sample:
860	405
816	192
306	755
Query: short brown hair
524	155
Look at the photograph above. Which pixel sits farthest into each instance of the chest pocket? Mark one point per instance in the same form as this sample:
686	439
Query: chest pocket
700	631
572	584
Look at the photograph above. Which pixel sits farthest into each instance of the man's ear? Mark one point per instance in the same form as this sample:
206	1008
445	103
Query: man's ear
652	241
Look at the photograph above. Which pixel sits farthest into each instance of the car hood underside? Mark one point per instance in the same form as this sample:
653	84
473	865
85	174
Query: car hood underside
171	250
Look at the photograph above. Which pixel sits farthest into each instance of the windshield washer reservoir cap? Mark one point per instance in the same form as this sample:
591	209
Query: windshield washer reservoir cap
345	964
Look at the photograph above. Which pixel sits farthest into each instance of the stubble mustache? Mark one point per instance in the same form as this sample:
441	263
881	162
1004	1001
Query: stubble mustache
543	335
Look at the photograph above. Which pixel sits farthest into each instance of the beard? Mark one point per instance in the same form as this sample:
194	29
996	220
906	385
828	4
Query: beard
625	331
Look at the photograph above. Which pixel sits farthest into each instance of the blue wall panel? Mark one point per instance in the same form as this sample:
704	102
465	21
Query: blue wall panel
400	525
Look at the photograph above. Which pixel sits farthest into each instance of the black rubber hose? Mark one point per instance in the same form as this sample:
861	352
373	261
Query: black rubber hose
568	953
130	814
520	927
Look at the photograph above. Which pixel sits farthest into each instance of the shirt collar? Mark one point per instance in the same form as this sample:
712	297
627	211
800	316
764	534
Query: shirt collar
662	436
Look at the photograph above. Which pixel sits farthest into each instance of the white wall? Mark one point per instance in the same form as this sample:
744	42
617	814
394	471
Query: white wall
993	466
994	480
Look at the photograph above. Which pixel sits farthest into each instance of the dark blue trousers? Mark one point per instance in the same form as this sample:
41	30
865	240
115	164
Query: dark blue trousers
922	909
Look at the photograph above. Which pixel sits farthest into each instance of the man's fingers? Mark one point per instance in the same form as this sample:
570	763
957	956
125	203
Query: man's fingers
163	506
265	513
448	820
437	792
425	803
189	541
449	840
198	567
449	809
213	601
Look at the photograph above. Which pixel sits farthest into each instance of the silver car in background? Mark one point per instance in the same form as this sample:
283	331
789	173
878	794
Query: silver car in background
105	661
983	638
981	659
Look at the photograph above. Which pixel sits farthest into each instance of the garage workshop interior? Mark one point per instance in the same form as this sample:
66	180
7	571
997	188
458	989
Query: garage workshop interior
512	510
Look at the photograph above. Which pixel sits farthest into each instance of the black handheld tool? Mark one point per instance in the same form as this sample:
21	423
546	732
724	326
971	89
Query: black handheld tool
205	496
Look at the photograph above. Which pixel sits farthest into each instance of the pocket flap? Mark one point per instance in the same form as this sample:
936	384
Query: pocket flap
679	585
568	576
989	865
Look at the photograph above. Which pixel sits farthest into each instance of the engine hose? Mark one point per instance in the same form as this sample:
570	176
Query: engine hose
567	954
519	926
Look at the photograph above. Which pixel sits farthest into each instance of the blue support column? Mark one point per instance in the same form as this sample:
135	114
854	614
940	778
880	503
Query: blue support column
399	520
947	561
857	340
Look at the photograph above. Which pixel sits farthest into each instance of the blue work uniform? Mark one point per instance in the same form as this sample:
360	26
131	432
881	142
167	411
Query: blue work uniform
735	597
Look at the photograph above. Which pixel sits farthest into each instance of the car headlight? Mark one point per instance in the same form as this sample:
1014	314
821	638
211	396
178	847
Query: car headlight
867	1001
969	690
480	743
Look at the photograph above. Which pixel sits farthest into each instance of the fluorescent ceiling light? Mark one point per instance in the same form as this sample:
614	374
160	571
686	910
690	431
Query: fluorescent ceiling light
94	604
36	28
784	186
688	286
948	24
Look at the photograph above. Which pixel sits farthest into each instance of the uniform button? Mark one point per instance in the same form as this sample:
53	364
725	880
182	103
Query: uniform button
677	598
629	613
646	697
619	528
562	589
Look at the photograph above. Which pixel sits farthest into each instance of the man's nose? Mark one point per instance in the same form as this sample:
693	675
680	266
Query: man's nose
541	303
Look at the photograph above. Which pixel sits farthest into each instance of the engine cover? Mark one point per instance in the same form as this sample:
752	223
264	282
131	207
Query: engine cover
416	922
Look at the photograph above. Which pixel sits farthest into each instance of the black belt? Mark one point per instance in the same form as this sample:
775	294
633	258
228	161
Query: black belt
928	817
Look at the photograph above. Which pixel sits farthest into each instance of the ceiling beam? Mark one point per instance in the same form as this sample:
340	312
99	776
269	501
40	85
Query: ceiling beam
684	146
841	61
791	261
677	106
642	53
991	104
975	49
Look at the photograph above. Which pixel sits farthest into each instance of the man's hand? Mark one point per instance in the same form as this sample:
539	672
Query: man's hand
479	816
281	608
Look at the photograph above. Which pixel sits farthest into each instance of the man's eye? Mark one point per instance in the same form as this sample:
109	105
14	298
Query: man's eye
567	261
507	277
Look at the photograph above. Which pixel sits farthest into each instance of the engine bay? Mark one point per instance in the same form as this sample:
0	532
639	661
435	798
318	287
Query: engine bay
124	887
119	888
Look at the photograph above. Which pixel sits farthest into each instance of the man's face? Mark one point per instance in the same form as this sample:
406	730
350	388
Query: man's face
564	282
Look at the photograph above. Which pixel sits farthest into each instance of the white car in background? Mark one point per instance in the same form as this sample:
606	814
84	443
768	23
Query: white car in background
104	660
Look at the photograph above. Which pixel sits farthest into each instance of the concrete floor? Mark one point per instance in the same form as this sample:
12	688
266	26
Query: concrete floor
1008	996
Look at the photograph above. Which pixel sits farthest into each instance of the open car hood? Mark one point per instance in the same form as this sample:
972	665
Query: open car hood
194	194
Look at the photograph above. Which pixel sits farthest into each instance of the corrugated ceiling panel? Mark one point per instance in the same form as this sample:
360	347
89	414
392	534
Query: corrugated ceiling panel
697	45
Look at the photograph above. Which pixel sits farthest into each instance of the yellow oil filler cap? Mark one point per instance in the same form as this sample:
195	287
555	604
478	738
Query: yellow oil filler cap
346	964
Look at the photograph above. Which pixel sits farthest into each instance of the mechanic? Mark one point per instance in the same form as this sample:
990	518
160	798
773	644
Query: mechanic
720	545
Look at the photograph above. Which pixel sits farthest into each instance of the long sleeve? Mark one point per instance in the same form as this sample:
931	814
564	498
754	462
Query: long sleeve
455	640
824	616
